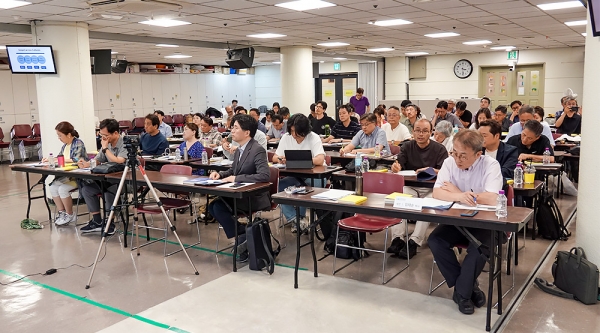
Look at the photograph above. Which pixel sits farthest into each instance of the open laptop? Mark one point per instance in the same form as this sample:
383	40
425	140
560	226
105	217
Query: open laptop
298	159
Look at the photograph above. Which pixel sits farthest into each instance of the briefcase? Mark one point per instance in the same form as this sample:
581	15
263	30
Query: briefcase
574	274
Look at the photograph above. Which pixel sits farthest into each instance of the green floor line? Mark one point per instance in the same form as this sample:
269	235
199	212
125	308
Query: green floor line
94	303
210	250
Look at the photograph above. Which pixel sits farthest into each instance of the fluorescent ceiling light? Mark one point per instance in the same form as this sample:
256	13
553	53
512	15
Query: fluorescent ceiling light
576	23
414	54
442	35
110	17
114	52
389	23
266	35
321	61
8	4
506	48
478	42
167	45
333	44
340	58
178	56
164	22
301	5
381	49
560	5
584	34
277	62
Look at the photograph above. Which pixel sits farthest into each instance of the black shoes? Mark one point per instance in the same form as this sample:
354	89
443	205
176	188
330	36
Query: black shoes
465	305
478	296
397	244
92	226
412	250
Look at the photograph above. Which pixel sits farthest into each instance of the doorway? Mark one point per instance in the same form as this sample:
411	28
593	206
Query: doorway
335	90
525	83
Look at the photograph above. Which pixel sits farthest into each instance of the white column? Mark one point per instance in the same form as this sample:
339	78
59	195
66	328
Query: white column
588	225
67	95
297	82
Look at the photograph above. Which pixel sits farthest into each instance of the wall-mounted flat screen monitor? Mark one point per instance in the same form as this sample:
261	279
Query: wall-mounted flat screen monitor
31	59
594	7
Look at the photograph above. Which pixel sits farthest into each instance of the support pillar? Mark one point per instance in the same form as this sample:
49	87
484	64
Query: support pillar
297	82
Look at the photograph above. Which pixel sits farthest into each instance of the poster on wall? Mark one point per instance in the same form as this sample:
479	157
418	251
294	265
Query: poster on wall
328	93
490	84
502	83
521	83
535	83
348	92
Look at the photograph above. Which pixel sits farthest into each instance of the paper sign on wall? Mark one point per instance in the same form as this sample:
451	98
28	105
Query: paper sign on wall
521	83
535	83
348	92
328	93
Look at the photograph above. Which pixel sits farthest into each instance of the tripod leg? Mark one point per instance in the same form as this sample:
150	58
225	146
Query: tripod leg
108	223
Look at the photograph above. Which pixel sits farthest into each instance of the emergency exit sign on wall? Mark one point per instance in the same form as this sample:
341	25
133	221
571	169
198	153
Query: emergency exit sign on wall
513	55
337	66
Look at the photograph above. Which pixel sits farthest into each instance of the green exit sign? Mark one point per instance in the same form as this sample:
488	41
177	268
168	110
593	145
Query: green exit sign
513	55
337	66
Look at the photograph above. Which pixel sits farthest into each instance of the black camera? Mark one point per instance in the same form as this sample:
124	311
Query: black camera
131	142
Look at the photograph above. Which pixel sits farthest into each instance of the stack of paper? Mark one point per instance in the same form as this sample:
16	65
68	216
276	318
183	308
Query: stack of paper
436	204
478	207
354	199
333	195
390	198
568	138
202	181
407	173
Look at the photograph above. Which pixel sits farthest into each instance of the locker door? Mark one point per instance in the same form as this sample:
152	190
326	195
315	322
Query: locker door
114	91
6	96
157	92
126	92
136	91
31	84
20	89
102	92
147	91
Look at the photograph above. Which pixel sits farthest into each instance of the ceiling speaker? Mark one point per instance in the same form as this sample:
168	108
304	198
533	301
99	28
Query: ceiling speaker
240	58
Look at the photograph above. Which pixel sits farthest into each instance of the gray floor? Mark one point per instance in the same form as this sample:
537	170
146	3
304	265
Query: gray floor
163	292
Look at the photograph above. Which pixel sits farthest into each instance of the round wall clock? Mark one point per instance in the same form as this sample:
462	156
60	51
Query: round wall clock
463	69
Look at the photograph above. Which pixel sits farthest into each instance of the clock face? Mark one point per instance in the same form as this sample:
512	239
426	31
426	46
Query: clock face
463	69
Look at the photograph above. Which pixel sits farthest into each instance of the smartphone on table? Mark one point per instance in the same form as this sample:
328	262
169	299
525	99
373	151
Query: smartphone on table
236	185
469	213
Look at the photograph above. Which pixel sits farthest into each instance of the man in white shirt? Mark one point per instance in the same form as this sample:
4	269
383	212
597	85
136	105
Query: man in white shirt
469	178
394	131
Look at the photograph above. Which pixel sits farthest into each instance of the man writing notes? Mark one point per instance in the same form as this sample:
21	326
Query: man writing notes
368	137
344	128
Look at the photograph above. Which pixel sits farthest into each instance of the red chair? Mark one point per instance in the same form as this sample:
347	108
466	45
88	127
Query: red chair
373	182
24	133
394	150
270	155
221	129
556	135
178	120
168	119
137	126
127	125
37	131
209	152
3	145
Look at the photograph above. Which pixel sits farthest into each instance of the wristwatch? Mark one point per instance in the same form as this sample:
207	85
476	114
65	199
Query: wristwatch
104	150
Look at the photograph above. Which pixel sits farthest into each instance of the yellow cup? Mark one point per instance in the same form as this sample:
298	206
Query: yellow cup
529	178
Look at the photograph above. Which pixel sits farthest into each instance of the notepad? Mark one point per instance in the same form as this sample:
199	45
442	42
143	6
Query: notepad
407	173
478	207
436	204
355	199
391	197
202	181
332	195
68	167
379	170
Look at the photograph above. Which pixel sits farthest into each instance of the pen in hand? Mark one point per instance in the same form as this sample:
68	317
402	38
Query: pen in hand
474	198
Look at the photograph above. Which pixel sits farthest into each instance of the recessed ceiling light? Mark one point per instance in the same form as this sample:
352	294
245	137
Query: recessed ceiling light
333	44
8	4
478	42
266	35
111	17
256	21
165	22
504	48
584	34
389	23
560	5
167	45
301	5
340	58
381	49
576	23
178	56
442	35
114	52
491	24
277	62
414	54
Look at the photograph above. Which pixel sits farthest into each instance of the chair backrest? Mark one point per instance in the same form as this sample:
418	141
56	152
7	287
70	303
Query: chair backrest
263	109
221	129
138	122
382	182
168	119
37	132
556	135
270	155
127	123
1	134
510	196
176	169
209	151
274	179
327	159
178	119
21	131
394	150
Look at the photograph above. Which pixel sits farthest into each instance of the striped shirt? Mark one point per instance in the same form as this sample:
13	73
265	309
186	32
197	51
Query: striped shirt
339	131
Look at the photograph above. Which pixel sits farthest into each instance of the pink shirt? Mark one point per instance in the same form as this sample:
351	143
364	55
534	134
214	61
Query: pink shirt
483	176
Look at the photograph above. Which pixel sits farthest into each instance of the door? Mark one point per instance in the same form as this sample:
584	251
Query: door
525	83
336	90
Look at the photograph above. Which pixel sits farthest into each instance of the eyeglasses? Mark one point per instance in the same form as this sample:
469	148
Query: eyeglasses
366	124
318	107
421	132
460	157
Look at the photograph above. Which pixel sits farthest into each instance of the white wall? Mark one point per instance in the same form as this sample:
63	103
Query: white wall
563	69
267	81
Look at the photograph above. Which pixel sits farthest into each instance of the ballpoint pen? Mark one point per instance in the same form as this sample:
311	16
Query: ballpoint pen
474	199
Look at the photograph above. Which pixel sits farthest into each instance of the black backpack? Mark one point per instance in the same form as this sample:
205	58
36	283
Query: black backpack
260	249
212	112
347	238
549	220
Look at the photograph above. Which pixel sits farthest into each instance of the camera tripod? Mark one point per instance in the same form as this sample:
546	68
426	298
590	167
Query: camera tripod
132	164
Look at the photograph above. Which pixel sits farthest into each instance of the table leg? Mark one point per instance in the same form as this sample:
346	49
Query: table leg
43	183
297	247
312	241
498	237
126	219
28	194
235	244
492	269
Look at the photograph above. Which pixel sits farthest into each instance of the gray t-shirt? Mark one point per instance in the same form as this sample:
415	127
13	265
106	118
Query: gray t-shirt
118	150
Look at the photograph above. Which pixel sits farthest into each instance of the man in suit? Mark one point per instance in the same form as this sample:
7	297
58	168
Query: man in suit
505	154
249	165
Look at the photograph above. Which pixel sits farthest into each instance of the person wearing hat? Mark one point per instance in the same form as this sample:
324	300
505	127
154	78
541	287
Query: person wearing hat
426	157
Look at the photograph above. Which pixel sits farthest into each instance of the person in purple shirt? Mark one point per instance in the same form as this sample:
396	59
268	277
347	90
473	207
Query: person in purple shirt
360	102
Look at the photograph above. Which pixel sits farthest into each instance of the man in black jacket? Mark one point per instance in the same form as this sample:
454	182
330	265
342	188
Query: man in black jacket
505	154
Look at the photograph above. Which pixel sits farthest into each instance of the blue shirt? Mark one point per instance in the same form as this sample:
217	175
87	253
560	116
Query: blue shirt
517	128
195	151
369	141
165	130
262	127
153	144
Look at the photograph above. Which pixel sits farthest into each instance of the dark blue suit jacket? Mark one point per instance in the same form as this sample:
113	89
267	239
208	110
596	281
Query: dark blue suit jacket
507	156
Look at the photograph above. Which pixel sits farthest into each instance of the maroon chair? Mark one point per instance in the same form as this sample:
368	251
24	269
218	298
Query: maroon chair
24	133
168	119
373	182
37	131
270	156
556	135
394	150
138	126
209	152
127	125
3	145
178	120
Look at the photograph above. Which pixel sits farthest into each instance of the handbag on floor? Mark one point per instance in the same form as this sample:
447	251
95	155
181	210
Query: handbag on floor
574	276
260	249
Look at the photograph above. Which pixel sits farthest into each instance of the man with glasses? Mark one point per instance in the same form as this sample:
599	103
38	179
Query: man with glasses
500	115
505	154
418	154
525	114
394	130
321	119
531	144
209	136
441	113
515	106
469	178
114	151
368	137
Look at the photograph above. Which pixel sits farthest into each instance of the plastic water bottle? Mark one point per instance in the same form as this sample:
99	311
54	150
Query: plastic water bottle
455	129
51	161
204	157
365	164
518	178
546	157
501	210
177	154
377	151
357	163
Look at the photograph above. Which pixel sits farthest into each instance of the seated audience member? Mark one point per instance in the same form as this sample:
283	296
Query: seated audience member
240	109
254	113
380	114
451	106
226	117
558	113
354	117
539	114
312	111
267	120
321	119
443	134
481	115
413	113
367	138
209	136
469	178
229	148
500	116
197	118
114	151
526	114
152	142
191	134
531	144
285	113
418	154
249	165
463	114
298	137
72	150
165	129
569	121
485	102
344	129
394	130
276	107
189	118
441	113
278	127
234	104
506	155
403	106
515	107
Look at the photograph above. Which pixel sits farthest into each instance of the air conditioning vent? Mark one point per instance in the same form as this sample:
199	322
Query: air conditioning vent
133	6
